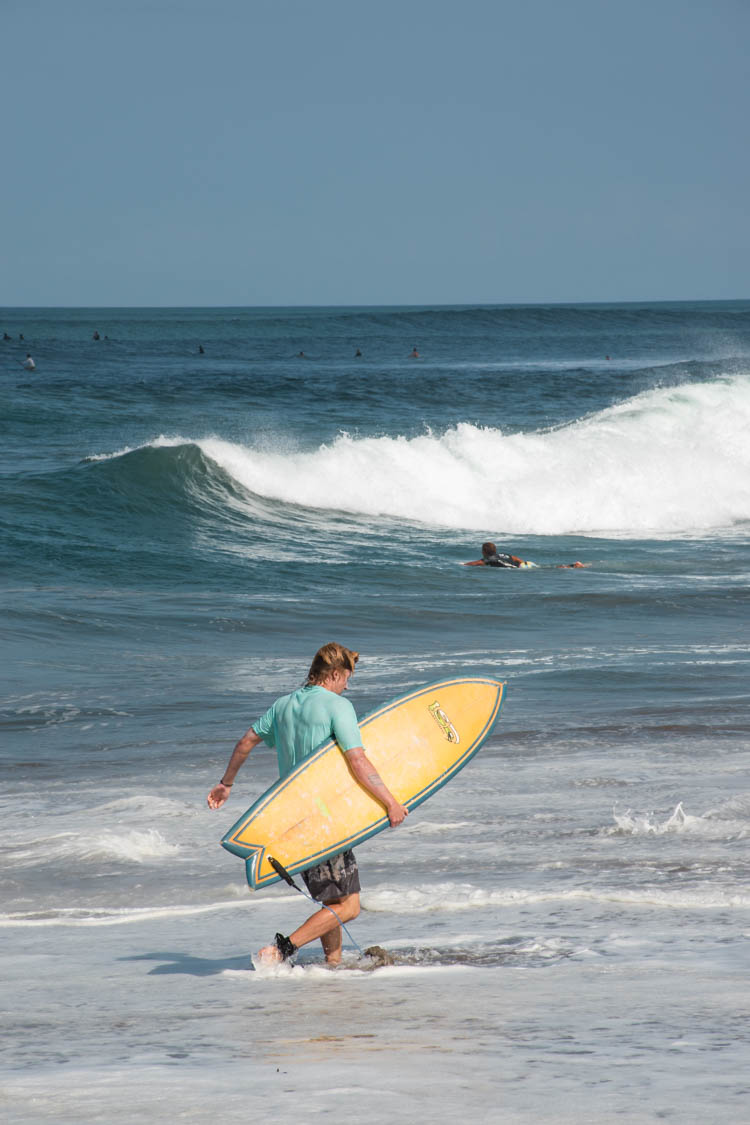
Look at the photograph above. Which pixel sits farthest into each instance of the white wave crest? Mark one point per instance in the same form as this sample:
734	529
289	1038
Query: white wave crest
669	461
85	916
160	443
711	826
129	847
145	805
441	828
453	897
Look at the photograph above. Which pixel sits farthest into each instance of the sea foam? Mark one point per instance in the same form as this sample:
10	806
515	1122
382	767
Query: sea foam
140	847
714	825
455	897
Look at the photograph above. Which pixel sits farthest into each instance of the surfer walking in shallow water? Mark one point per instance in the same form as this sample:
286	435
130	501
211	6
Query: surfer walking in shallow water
296	725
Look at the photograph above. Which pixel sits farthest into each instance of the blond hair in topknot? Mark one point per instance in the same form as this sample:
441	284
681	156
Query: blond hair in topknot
329	659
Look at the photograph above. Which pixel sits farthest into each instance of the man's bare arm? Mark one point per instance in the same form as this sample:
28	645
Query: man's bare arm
220	793
369	778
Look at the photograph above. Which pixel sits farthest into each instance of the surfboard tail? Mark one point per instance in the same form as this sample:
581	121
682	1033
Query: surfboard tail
251	867
258	870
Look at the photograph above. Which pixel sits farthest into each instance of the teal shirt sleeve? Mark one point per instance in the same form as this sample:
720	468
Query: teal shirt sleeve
344	722
265	727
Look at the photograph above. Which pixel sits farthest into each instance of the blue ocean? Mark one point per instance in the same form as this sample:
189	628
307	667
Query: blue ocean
193	501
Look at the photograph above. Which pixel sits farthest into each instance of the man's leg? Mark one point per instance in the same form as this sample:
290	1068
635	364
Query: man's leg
324	925
335	882
332	943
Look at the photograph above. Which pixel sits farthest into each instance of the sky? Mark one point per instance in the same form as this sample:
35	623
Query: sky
343	152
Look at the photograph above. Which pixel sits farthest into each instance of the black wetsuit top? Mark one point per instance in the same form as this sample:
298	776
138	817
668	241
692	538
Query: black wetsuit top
500	560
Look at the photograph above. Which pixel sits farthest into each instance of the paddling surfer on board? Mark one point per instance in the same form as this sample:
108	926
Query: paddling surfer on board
296	725
490	557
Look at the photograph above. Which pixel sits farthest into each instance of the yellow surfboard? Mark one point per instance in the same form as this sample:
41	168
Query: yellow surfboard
417	743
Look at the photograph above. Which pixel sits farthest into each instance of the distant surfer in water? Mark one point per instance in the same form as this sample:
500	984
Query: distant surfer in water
491	557
297	725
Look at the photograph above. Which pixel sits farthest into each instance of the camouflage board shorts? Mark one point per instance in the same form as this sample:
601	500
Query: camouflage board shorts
337	877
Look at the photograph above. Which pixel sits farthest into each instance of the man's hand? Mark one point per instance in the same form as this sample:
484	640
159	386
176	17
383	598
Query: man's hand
397	814
218	796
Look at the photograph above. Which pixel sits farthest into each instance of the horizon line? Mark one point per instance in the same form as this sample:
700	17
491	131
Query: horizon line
419	304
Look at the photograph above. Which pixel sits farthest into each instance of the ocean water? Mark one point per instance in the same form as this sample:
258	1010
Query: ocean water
570	917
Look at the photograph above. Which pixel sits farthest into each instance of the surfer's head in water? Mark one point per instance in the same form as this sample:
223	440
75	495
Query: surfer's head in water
332	664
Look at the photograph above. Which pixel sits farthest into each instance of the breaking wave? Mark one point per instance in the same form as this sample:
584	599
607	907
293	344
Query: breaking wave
669	461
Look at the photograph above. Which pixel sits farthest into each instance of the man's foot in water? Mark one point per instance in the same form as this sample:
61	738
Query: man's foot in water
282	950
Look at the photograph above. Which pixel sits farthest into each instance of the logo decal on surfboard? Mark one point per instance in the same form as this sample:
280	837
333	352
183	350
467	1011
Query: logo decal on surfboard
443	722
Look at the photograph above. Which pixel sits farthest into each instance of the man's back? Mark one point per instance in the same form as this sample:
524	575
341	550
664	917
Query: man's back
298	723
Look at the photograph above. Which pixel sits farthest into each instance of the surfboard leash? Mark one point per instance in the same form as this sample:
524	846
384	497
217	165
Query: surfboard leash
282	871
